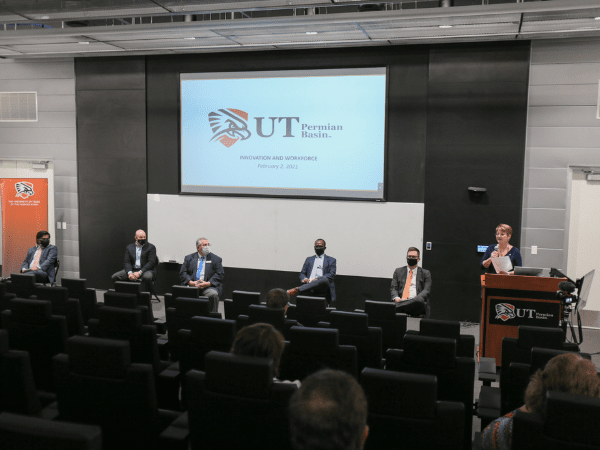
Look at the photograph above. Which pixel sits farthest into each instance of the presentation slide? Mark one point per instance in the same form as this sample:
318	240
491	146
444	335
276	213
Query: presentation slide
308	133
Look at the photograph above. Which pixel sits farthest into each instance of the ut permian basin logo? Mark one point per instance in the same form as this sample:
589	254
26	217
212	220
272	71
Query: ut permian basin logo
229	126
24	189
505	311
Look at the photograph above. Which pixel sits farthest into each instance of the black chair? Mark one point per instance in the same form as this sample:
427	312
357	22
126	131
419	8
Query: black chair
96	383
179	317
32	328
404	412
313	349
264	314
31	433
126	324
5	297
465	343
22	284
87	297
437	356
127	301
493	401
355	330
309	311
236	404
393	325
180	291
56	267
143	298
62	305
239	303
520	374
571	423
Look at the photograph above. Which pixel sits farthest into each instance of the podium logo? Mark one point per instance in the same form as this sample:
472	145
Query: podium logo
505	311
24	189
229	126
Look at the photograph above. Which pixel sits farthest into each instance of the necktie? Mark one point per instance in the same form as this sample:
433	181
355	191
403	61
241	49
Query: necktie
406	291
200	268
36	260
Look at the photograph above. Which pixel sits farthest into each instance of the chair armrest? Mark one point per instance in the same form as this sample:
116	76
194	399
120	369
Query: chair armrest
163	349
215	315
487	371
176	436
323	325
161	326
50	412
168	383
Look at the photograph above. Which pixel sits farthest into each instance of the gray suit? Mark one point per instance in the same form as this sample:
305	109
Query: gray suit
417	305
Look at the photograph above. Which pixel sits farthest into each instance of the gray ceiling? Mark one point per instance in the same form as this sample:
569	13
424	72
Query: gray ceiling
58	28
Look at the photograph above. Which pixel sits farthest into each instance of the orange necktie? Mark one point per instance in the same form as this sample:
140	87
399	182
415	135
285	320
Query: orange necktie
406	291
36	260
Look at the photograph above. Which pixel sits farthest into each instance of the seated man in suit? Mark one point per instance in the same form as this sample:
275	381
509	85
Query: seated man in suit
411	286
317	274
204	270
40	259
139	263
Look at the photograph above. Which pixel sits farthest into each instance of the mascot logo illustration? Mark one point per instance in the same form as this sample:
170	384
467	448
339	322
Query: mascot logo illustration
229	126
24	189
505	311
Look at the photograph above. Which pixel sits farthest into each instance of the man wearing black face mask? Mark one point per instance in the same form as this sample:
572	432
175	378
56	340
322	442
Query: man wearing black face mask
411	286
139	263
41	258
317	274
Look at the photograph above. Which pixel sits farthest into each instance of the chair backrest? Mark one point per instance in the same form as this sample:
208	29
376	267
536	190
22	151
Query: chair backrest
128	301
143	298
5	297
17	388
87	297
32	433
63	306
23	284
180	318
76	286
354	330
97	384
403	408
393	326
237	390
465	343
570	423
205	334
239	303
264	314
437	356
312	349
32	328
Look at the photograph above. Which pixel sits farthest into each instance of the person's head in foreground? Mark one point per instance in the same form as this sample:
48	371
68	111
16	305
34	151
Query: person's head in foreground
329	412
568	373
278	298
261	340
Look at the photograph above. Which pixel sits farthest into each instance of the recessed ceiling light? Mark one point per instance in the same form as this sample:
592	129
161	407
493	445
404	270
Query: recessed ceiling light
445	26
44	17
312	32
190	38
596	18
83	43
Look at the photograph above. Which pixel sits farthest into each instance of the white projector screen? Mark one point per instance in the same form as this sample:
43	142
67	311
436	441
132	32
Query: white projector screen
300	133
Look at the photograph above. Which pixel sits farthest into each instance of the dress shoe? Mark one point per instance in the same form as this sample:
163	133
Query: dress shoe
294	291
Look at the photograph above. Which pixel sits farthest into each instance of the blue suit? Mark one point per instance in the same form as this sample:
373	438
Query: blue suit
46	263
329	270
213	270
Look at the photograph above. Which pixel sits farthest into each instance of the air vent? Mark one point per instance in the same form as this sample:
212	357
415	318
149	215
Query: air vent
18	107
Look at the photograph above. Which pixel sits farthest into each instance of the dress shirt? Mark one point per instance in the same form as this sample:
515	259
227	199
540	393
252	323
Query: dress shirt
317	270
201	257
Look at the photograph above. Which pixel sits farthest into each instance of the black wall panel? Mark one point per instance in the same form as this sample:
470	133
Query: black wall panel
111	160
477	111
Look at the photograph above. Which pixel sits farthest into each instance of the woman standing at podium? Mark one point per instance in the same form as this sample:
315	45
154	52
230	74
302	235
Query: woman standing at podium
502	248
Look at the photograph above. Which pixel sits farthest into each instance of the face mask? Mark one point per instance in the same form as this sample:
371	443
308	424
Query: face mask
44	242
141	241
319	250
205	250
411	261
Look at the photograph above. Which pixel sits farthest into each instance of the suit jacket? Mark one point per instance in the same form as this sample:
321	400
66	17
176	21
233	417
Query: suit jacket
329	269
47	260
148	258
423	283
213	270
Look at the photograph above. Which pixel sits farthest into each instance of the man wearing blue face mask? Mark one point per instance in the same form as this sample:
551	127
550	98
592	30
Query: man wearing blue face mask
317	274
139	263
411	286
204	270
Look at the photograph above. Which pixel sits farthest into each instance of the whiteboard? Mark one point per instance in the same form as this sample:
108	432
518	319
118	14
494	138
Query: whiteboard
368	239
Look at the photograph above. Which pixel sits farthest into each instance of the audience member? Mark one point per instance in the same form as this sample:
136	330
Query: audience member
568	373
329	412
264	341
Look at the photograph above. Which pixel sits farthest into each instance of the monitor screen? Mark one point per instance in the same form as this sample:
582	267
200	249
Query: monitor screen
297	133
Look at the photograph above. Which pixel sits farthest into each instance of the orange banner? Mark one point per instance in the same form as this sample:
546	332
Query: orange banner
24	213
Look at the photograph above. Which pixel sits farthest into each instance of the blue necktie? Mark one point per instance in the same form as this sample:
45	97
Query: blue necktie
200	268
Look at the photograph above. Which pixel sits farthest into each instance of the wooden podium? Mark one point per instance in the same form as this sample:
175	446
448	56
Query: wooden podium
512	300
